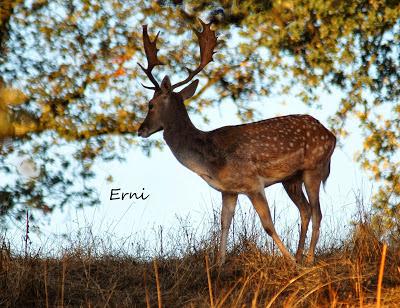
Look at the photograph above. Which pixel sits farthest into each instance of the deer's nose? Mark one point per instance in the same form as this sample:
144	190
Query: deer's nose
142	132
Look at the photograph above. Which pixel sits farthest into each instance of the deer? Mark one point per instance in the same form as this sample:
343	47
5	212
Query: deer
294	150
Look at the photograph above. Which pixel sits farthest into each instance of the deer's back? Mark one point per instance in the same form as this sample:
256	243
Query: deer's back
275	137
273	148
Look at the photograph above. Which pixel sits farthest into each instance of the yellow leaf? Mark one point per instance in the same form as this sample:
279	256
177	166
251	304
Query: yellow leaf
10	96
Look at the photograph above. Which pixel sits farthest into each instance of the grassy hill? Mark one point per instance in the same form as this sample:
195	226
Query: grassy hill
346	273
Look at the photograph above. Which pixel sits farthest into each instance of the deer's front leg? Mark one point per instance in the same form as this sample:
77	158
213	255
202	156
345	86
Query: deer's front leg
228	209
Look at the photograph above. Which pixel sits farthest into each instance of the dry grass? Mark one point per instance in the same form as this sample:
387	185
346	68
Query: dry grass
354	273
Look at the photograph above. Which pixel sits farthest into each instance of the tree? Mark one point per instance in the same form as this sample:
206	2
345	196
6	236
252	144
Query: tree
75	63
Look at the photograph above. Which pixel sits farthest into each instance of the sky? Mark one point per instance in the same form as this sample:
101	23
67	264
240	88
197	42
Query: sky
178	196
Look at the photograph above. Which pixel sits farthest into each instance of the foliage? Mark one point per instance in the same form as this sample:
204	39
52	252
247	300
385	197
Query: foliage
75	62
353	46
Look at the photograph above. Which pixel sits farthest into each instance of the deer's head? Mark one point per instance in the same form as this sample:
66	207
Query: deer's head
164	95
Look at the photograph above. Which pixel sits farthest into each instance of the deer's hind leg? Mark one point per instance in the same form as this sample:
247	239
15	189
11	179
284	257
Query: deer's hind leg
261	205
293	188
312	182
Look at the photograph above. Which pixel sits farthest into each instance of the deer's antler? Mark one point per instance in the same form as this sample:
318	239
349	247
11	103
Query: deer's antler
207	42
150	48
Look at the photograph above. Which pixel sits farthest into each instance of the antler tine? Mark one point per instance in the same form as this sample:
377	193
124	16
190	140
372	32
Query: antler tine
150	49
207	42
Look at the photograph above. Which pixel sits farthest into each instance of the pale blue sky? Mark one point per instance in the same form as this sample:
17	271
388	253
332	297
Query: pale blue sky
177	192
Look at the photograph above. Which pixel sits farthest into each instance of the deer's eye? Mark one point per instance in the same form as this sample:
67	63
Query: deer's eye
151	106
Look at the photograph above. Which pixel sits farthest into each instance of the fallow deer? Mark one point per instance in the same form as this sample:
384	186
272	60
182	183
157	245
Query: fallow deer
242	159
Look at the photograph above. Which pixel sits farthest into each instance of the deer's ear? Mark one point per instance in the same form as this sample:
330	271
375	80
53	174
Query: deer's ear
189	90
166	85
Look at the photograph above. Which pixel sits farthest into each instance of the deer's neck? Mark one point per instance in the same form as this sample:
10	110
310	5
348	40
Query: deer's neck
186	142
179	129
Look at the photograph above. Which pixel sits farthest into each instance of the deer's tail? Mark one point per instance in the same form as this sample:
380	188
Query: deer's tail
327	169
326	173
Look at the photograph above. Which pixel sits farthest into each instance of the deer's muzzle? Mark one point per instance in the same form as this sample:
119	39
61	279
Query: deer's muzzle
143	132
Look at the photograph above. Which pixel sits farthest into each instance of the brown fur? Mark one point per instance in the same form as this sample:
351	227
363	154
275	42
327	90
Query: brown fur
293	150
